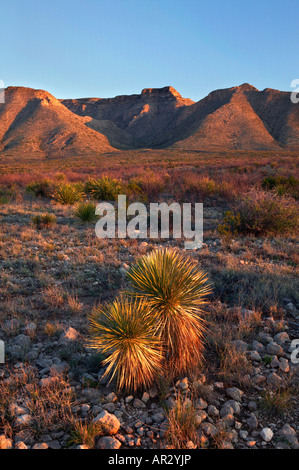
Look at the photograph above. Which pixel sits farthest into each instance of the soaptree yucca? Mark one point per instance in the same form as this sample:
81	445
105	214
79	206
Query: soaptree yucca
124	332
174	288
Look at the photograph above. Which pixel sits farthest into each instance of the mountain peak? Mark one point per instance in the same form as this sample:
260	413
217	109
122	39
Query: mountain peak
165	91
247	87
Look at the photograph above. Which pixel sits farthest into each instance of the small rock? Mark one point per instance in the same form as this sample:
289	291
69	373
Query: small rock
266	434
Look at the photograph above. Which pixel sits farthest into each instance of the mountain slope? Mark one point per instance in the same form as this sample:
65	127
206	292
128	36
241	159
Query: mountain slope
34	122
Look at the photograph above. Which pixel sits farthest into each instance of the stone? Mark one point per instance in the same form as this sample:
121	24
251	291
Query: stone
20	445
254	356
235	393
109	422
68	336
201	404
259	347
240	345
288	435
5	443
213	411
275	349
209	429
145	397
266	434
200	417
281	338
23	420
111	397
226	410
274	379
252	422
138	403
40	446
48	381
284	365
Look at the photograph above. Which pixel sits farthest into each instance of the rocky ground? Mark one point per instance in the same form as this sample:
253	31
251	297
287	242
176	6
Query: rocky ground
52	391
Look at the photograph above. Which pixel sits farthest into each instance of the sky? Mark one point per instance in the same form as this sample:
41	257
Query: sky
104	48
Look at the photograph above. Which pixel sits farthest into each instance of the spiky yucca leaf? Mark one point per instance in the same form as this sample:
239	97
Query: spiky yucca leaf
174	288
104	189
124	332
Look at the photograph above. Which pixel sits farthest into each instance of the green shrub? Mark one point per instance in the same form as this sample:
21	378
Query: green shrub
42	188
85	211
124	332
7	195
67	193
44	220
262	213
174	288
104	189
282	185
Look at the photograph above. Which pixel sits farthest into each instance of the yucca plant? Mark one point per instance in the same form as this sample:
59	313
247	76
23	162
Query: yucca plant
66	193
86	211
174	288
104	189
44	220
124	332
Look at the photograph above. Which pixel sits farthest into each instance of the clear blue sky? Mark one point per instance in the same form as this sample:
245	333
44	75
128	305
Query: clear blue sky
105	48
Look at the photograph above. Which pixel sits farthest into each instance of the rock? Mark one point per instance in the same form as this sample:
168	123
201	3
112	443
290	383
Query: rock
226	410
20	445
259	347
213	411
59	369
228	420
23	420
240	345
5	443
254	356
252	422
235	405
145	397
288	435
200	417
281	338
266	434
235	393
274	379
275	349
54	444
111	397
158	417
129	399
284	365
43	445
82	446
68	336
138	403
201	404
275	362
48	381
30	329
243	435
209	429
109	423
252	405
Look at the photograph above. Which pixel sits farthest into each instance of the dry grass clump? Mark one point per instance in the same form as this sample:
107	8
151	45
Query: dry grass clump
182	423
49	407
44	220
86	212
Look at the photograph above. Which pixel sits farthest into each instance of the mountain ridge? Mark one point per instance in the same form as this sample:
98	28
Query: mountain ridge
235	118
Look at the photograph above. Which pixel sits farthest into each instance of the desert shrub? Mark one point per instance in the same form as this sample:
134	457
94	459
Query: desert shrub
282	185
262	213
42	188
229	227
44	220
135	191
104	189
85	211
7	195
124	332
174	288
67	193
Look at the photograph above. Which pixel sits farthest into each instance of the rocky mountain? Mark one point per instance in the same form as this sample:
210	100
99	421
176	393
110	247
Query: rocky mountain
237	118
